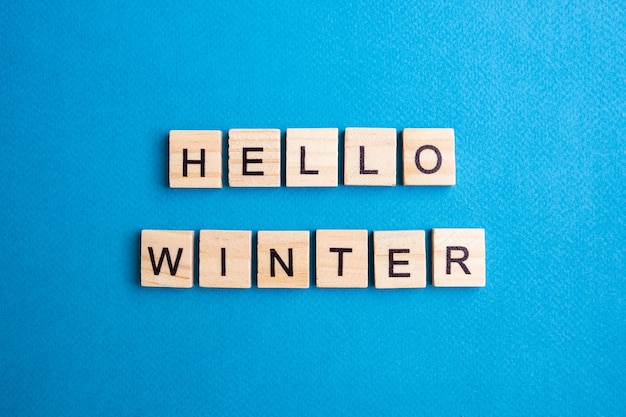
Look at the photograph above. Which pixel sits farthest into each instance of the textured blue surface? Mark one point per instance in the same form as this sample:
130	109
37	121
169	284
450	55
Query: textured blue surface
536	93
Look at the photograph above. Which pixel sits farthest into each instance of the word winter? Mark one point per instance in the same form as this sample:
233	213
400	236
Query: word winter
341	258
311	157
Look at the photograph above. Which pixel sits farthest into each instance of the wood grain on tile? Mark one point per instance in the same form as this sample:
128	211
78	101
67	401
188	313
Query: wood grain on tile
428	157
400	259
312	157
195	159
341	258
225	258
283	259
254	157
167	258
458	257
370	156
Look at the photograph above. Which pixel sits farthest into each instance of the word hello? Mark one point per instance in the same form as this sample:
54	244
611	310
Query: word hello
341	258
311	157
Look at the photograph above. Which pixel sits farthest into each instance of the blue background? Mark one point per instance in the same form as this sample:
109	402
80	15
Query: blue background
536	94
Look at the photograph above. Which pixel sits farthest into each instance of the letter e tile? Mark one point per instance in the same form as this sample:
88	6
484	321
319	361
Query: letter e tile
400	259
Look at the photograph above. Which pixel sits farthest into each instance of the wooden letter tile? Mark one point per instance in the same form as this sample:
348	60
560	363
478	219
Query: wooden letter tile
370	156
225	258
458	257
283	259
428	157
312	157
254	157
341	258
400	259
167	258
195	158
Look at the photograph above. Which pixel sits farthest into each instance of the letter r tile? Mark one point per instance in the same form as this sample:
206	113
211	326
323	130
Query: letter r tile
458	257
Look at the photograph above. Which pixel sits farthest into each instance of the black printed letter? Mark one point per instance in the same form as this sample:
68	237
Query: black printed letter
246	161
393	262
418	164
303	170
449	258
223	262
340	251
165	253
274	256
362	163
193	161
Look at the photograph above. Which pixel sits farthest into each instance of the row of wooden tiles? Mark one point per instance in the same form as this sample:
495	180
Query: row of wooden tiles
311	157
341	258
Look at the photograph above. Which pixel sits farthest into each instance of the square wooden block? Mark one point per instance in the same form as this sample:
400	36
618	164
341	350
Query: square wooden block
283	259
254	157
225	258
400	259
195	158
458	257
370	156
312	157
167	258
428	157
341	258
